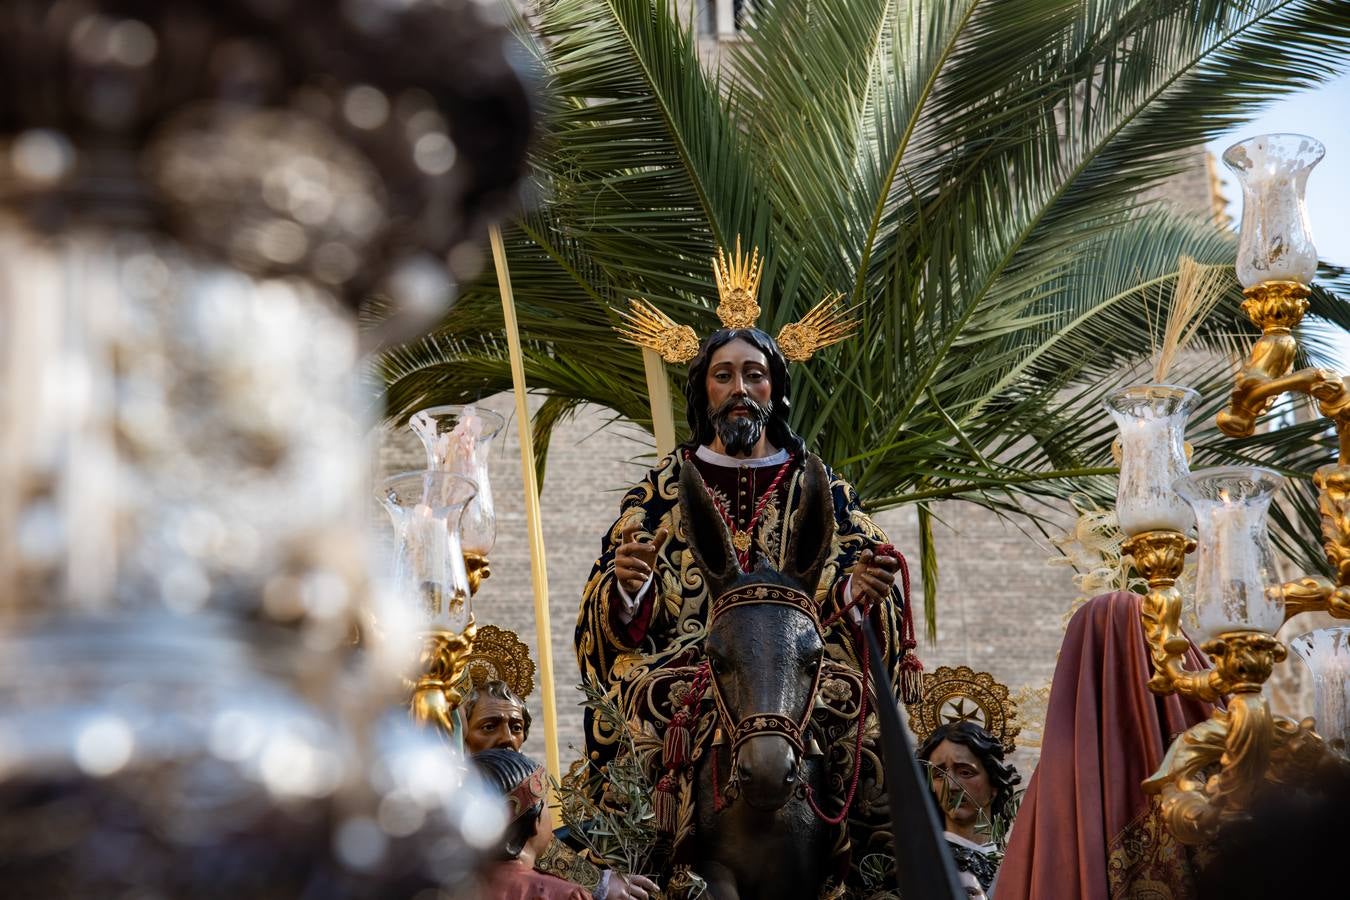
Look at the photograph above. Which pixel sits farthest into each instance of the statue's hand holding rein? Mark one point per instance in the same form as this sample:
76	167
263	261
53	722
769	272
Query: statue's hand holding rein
873	577
635	558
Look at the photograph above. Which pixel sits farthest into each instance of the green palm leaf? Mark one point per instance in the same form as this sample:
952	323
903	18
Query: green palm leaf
980	175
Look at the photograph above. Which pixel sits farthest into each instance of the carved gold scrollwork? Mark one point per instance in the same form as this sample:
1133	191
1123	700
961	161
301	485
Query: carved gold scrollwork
1160	556
435	695
1210	772
476	564
1314	593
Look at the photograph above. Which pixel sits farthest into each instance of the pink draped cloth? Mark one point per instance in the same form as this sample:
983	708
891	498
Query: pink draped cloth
1105	732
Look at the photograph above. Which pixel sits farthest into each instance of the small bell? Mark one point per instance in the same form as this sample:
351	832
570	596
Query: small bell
813	750
718	738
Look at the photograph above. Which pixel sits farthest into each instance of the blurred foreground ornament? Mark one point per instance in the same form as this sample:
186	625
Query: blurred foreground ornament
191	209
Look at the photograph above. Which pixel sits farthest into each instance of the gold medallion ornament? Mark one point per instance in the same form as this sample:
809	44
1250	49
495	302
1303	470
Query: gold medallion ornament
741	541
738	277
961	694
500	655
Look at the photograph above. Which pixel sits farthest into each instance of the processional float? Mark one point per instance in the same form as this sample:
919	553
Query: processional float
1212	773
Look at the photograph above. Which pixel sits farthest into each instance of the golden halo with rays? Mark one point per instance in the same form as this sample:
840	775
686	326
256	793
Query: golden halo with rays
500	655
962	694
738	276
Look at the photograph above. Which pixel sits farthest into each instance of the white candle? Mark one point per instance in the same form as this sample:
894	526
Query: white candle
1236	585
1152	458
1274	240
1326	652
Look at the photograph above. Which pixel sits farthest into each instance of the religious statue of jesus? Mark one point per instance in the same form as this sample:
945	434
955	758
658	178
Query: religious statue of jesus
645	603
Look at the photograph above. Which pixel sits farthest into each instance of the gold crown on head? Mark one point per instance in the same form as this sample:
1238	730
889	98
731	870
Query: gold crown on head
737	287
738	277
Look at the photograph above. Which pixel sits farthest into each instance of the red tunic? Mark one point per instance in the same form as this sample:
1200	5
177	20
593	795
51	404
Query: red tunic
514	880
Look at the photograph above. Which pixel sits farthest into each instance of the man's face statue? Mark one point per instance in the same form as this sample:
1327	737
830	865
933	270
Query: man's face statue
740	395
494	723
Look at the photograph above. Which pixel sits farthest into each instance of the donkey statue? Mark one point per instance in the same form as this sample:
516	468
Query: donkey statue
758	831
743	730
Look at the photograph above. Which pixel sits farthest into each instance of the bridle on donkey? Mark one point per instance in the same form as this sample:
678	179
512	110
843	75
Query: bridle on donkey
758	724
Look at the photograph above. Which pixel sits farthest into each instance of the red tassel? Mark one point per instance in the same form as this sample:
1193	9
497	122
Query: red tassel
911	678
663	805
675	751
911	669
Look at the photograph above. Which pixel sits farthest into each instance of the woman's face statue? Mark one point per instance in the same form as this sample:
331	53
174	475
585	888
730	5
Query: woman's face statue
961	784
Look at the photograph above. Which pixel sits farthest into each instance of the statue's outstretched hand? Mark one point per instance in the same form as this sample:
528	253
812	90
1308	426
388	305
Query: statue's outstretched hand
624	887
635	559
873	576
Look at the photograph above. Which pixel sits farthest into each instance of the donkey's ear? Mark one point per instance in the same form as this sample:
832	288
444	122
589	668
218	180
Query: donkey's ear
812	527
709	539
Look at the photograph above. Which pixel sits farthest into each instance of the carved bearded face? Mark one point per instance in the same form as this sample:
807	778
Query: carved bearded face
740	396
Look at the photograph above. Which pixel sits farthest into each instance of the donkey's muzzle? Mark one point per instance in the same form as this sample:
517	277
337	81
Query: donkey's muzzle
767	769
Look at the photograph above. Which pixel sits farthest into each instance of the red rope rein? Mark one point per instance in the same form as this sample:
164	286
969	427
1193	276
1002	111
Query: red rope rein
863	603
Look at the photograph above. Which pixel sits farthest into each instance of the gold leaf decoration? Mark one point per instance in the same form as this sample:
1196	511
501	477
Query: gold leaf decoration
826	323
648	327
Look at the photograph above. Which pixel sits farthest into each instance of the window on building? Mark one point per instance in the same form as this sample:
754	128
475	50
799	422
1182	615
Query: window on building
724	18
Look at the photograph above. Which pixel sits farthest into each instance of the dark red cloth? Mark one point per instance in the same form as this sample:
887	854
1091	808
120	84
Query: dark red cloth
516	881
1105	732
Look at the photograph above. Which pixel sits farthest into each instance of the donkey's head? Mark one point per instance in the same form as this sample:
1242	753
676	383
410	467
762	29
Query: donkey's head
764	642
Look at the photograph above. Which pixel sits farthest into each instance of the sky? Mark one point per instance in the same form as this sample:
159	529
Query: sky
1323	113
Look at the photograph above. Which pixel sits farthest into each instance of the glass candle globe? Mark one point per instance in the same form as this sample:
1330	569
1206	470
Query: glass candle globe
1326	653
1237	587
458	440
1274	242
425	509
1152	422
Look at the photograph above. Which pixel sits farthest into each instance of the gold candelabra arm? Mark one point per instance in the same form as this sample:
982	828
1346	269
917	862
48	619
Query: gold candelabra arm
1311	593
1160	557
1211	771
435	695
1276	307
1333	401
476	564
1314	593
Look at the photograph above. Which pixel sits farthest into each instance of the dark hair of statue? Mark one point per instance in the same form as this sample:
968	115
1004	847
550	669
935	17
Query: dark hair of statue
777	429
1002	776
505	770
